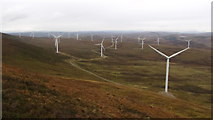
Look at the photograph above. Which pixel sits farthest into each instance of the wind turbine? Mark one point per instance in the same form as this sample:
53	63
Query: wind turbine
167	63
77	36
142	42
102	47
32	35
112	37
158	40
19	35
188	43
116	42
121	38
56	42
68	35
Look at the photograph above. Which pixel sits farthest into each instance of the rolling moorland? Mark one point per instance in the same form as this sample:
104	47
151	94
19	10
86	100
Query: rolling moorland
39	83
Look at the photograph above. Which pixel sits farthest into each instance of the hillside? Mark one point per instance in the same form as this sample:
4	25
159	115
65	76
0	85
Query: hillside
39	83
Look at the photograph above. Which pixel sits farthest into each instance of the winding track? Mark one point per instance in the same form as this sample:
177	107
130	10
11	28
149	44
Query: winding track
71	62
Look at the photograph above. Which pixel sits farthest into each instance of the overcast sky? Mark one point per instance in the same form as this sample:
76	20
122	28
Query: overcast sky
95	15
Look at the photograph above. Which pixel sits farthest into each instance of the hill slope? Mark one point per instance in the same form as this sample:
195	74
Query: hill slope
38	83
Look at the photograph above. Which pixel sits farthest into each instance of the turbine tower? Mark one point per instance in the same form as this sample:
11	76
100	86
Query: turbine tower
77	36
158	40
167	63
102	47
56	42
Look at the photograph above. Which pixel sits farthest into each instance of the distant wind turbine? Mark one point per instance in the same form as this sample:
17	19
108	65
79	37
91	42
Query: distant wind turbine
68	35
116	42
56	42
167	63
32	35
112	41
158	40
102	47
121	38
77	36
158	37
188	43
19	35
142	42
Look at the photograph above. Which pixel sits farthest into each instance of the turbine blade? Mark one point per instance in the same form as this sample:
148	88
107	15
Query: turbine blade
59	36
117	38
97	44
159	52
53	35
178	52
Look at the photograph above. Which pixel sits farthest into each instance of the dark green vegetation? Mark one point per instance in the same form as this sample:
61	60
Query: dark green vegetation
39	83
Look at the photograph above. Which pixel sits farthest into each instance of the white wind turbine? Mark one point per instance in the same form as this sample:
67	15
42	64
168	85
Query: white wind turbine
142	42
68	35
112	40
19	34
189	41
116	42
121	38
167	63
32	35
102	47
77	36
56	42
158	40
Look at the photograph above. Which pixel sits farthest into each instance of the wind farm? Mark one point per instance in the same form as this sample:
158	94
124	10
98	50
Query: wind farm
125	67
79	62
